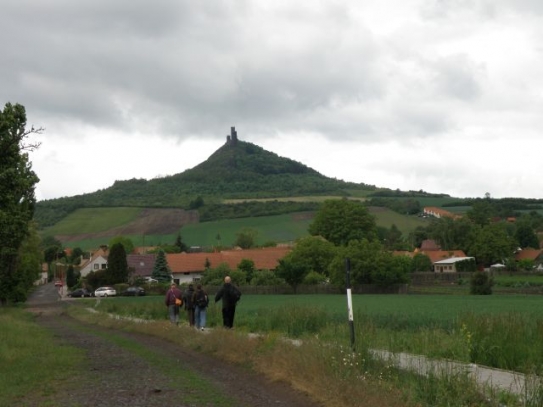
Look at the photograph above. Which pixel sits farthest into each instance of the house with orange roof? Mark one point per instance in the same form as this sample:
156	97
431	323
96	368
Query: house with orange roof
535	255
97	261
189	267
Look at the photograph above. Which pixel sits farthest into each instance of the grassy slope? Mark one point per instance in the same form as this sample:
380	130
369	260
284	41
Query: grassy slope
280	228
93	220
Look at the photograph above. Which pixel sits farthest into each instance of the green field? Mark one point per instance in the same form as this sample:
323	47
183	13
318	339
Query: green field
278	228
93	220
406	224
502	331
409	311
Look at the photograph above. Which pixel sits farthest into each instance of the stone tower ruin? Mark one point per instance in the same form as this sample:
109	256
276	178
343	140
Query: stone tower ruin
232	138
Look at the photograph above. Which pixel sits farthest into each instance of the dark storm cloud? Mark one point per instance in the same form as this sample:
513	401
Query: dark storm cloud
185	66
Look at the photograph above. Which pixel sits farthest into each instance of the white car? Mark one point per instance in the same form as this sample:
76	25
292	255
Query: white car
105	292
150	280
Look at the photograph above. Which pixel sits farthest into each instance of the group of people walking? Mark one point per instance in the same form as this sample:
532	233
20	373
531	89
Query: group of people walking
195	303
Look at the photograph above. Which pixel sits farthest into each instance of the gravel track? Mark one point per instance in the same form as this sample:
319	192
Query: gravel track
116	376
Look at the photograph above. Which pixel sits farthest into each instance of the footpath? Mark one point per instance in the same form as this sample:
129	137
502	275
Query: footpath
486	377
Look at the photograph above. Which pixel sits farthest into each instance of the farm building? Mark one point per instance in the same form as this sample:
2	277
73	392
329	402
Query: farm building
188	267
449	265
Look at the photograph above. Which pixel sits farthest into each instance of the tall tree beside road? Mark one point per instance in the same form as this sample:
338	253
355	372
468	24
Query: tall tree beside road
117	264
340	221
17	199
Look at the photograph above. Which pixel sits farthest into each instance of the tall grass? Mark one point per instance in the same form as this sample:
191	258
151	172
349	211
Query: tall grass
504	332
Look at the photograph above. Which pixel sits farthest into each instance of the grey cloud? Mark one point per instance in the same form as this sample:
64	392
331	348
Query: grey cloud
457	76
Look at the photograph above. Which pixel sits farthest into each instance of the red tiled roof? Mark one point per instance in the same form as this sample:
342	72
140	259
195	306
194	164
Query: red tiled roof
530	254
264	259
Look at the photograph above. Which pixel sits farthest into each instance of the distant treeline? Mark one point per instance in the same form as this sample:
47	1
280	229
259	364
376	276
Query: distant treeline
503	207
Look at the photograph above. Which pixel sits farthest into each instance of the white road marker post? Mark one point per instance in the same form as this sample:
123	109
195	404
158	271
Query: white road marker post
349	301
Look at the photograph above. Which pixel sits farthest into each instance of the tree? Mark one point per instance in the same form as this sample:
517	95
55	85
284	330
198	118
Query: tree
491	244
248	267
393	238
117	265
266	277
17	198
246	238
481	283
292	271
125	241
481	212
452	234
71	278
161	269
77	252
340	221
370	264
421	262
315	252
29	265
526	236
215	276
181	246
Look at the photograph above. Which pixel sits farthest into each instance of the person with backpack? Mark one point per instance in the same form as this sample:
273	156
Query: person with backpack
189	305
230	296
200	301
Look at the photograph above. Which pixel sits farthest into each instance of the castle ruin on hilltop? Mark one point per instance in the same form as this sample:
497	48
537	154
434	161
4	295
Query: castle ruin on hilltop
232	138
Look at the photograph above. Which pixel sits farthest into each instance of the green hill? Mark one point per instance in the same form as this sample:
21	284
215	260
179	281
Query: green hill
237	170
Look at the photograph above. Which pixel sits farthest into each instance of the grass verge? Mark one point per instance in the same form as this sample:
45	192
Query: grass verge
30	363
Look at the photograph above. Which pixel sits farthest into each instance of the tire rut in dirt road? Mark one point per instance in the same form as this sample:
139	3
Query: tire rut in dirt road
115	375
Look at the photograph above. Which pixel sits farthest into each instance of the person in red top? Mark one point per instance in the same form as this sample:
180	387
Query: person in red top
173	310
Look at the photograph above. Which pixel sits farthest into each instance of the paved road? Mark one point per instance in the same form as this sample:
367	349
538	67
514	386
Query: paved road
509	381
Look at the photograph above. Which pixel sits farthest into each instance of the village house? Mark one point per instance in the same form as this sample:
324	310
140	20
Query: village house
140	265
97	261
433	251
189	267
535	255
449	265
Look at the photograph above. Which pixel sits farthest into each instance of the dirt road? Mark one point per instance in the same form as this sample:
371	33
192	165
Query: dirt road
149	371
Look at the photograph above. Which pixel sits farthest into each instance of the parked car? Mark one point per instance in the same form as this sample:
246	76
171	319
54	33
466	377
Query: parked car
58	283
105	292
133	291
150	280
80	292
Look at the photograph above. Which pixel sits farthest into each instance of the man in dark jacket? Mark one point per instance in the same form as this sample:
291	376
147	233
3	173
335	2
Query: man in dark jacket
189	305
230	295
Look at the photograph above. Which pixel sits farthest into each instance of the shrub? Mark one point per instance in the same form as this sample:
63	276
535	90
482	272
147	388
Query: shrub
481	284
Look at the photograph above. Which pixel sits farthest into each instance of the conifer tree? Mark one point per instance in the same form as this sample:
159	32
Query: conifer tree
161	270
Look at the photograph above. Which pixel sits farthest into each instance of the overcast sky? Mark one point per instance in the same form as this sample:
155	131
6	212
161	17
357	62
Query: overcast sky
440	95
